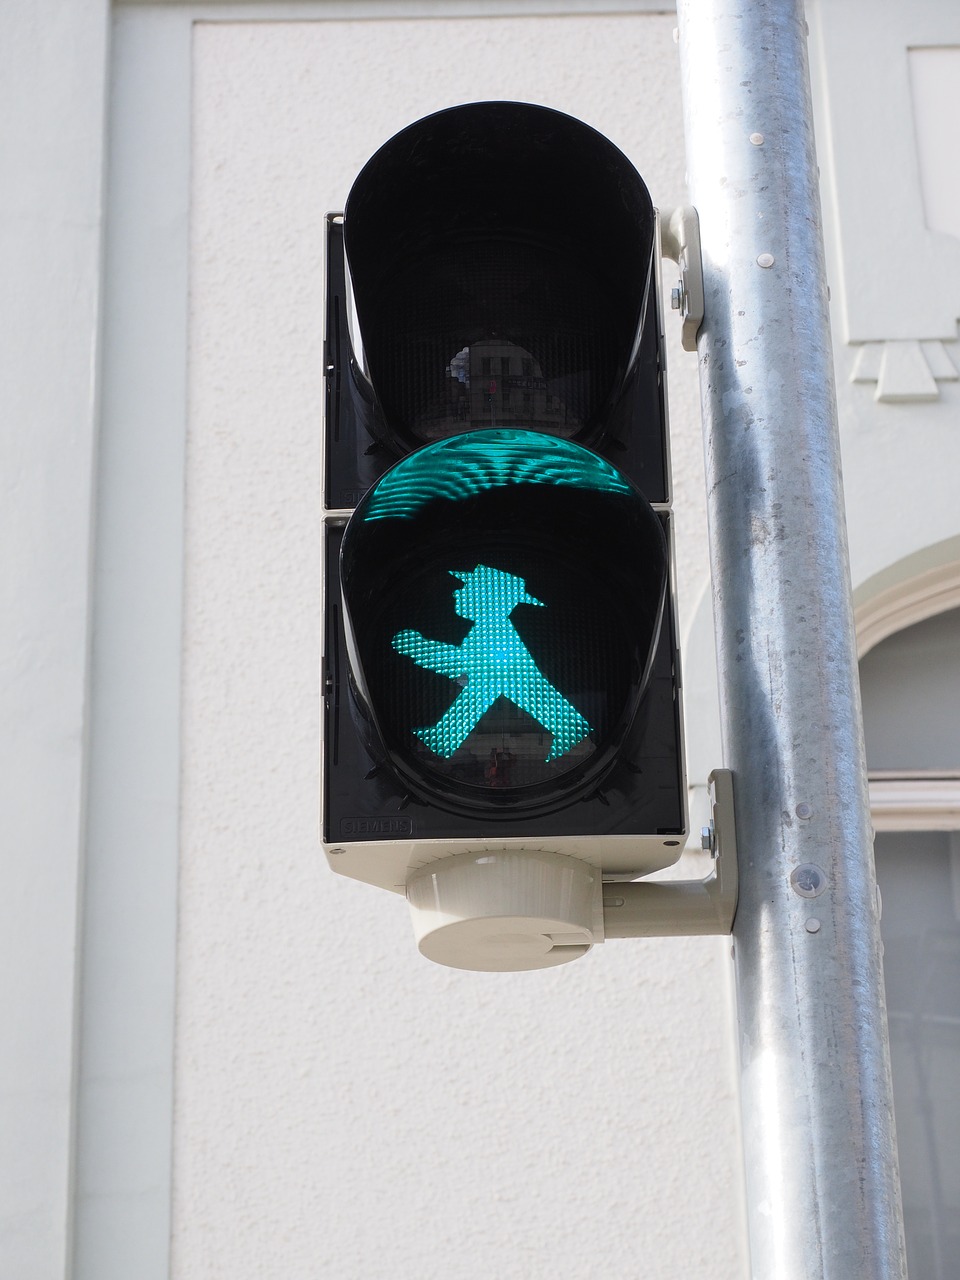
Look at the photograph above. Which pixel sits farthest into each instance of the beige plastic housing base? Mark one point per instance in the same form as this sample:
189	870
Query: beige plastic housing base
389	864
506	911
510	909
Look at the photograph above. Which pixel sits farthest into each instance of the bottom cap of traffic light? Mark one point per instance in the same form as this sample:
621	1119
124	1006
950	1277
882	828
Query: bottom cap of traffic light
500	665
507	910
513	909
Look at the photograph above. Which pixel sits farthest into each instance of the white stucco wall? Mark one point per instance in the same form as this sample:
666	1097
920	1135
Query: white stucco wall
344	1108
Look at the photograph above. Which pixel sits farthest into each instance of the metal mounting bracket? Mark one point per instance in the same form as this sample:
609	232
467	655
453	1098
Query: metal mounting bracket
680	241
683	908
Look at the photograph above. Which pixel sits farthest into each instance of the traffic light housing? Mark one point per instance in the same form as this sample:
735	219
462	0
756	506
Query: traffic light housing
500	658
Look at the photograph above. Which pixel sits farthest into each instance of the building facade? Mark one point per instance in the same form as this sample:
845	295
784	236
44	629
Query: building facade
221	1059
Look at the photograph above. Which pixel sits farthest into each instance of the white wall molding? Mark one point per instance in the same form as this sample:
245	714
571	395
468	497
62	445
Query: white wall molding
915	802
319	10
53	87
894	276
129	935
906	371
917	587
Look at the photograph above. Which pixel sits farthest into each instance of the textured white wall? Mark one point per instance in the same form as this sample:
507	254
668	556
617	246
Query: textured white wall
345	1109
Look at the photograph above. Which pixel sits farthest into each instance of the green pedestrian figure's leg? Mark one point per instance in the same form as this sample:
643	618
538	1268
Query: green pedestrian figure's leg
558	716
452	729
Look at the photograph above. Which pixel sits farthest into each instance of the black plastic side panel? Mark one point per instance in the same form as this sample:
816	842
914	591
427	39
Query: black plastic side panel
355	457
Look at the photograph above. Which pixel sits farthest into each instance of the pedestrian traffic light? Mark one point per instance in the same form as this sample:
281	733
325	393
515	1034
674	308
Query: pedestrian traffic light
500	661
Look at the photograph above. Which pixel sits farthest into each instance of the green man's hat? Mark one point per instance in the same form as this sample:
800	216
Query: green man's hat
496	584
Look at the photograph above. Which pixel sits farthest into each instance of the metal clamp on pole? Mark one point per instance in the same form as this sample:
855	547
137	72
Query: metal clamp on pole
680	241
678	908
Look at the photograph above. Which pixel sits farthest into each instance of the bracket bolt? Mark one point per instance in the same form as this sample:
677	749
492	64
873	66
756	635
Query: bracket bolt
676	297
708	838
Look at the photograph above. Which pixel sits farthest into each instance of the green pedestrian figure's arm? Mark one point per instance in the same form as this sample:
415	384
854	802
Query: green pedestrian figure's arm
433	655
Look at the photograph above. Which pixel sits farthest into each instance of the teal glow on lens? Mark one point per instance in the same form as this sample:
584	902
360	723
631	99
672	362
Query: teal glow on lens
502	595
465	465
492	662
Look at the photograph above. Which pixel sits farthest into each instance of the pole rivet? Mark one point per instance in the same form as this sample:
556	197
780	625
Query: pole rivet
803	810
812	925
808	880
765	260
757	139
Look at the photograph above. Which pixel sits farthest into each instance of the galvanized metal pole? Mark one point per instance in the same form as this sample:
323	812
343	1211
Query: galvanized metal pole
822	1182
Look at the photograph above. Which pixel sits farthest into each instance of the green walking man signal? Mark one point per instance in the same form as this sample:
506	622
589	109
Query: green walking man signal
500	637
492	662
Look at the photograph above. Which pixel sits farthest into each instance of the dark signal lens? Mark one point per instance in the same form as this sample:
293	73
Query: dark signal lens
487	292
503	593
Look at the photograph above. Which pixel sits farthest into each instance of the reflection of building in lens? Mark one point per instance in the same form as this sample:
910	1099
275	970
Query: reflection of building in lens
499	768
496	383
524	744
